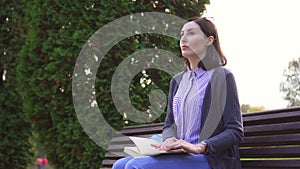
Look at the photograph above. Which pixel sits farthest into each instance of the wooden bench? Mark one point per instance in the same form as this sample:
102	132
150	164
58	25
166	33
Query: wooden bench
272	140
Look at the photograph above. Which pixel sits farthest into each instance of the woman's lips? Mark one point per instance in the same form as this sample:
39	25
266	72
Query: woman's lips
184	47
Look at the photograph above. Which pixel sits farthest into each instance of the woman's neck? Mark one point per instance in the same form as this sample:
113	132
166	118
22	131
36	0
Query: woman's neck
194	63
193	67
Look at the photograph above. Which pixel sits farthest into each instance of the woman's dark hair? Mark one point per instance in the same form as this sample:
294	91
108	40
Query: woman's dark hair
214	55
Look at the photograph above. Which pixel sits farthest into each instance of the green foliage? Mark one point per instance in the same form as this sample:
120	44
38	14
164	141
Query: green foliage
246	108
15	131
57	30
290	83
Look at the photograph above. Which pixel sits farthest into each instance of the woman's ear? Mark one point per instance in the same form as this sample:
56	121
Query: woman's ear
210	39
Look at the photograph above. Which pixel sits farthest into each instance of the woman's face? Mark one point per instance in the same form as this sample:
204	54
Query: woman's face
193	42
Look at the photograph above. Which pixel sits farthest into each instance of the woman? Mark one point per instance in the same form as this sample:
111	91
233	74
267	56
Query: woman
203	116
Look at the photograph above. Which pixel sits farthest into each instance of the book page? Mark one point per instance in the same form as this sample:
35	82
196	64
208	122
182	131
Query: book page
132	151
144	145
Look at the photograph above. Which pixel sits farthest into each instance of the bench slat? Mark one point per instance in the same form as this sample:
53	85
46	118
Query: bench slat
271	118
273	164
272	129
119	147
106	163
142	130
276	111
274	140
143	126
115	155
271	152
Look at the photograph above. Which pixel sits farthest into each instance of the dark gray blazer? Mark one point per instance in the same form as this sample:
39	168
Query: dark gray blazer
220	113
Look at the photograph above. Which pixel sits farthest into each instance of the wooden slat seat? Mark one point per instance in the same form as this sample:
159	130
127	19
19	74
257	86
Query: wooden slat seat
272	140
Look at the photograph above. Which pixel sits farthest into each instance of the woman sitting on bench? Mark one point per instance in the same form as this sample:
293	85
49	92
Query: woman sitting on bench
203	116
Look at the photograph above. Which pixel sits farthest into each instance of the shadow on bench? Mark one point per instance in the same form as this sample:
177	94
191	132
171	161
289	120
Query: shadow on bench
272	140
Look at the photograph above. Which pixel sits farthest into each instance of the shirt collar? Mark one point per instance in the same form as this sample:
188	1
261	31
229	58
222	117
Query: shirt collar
195	73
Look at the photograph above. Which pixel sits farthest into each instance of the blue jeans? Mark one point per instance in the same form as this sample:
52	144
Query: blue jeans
169	161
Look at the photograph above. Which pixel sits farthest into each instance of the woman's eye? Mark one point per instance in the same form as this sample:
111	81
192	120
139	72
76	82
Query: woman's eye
191	33
188	33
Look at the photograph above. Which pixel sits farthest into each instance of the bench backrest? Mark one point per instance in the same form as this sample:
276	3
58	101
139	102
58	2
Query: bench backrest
272	140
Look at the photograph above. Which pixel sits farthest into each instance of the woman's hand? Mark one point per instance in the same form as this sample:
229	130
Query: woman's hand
165	145
173	143
188	147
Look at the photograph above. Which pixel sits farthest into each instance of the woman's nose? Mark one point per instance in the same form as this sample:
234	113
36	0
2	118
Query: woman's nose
183	38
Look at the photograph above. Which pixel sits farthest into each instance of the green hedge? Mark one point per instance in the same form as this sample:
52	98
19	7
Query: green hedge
15	131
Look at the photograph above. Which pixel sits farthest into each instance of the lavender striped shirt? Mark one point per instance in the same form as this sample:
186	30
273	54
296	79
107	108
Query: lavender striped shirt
187	104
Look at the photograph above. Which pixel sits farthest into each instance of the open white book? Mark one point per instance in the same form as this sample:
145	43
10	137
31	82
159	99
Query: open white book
143	147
